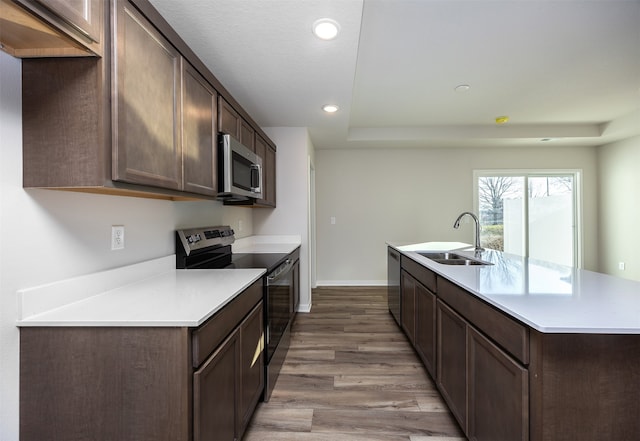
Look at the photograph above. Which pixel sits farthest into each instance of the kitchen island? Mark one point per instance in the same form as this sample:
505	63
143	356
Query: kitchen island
522	349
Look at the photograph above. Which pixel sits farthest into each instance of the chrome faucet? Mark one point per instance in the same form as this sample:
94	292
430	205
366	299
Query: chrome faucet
456	225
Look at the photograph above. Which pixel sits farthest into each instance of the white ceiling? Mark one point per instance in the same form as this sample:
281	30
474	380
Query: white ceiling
562	69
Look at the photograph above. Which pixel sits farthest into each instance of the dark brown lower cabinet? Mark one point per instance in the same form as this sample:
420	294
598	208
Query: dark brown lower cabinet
408	305
452	362
425	340
485	388
104	384
145	383
251	375
215	392
506	381
227	387
498	392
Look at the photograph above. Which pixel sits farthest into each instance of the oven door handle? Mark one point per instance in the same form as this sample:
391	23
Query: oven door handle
280	272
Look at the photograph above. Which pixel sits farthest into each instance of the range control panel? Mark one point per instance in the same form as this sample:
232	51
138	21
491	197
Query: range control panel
203	237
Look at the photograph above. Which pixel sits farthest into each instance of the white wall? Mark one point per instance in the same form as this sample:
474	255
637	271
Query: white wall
619	171
291	216
415	195
71	234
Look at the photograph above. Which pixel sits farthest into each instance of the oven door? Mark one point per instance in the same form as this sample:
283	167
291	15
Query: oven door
278	310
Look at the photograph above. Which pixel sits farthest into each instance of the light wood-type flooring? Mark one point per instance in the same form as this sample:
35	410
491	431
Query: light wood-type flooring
351	375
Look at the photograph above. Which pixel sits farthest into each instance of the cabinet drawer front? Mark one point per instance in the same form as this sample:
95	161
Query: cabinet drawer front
420	273
208	336
509	334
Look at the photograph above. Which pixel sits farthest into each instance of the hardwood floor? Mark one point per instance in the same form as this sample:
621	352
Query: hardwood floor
351	375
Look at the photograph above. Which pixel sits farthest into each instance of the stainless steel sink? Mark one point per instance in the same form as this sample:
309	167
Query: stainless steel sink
448	258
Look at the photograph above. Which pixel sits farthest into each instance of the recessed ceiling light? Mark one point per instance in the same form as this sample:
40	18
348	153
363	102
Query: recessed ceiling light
330	108
546	139
462	88
326	29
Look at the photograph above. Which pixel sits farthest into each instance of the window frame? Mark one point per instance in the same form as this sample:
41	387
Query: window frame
529	173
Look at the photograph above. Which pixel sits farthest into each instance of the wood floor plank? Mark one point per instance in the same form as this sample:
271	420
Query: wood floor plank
376	357
305	382
382	421
296	354
351	375
407	383
279	419
347	399
327	368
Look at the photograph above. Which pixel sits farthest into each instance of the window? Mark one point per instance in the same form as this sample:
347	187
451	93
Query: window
532	213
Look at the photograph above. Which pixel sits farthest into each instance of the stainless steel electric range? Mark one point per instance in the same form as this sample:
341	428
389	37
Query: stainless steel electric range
210	248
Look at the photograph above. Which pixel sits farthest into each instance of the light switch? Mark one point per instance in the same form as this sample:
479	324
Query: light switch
333	220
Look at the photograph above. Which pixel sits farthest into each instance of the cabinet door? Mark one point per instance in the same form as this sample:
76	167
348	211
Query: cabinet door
407	303
229	120
452	361
215	393
247	135
270	176
268	156
251	365
199	122
498	393
84	15
146	109
425	339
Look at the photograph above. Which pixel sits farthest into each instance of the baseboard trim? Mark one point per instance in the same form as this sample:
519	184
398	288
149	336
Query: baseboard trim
351	283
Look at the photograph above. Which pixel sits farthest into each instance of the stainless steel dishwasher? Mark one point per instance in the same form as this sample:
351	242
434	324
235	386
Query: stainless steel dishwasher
393	283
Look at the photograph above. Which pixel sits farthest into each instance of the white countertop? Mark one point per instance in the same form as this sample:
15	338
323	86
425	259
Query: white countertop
151	293
548	297
172	298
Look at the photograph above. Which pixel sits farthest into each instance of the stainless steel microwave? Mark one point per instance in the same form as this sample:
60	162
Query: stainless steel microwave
240	171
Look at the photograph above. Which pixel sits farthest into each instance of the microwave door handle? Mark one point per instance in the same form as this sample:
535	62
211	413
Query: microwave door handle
257	168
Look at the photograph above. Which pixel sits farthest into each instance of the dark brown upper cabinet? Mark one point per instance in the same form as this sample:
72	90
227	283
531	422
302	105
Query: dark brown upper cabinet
83	15
199	131
232	123
146	112
268	155
229	120
141	120
52	28
247	135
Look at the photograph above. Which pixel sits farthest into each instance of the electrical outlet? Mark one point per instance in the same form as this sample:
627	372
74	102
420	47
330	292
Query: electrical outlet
117	237
621	266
